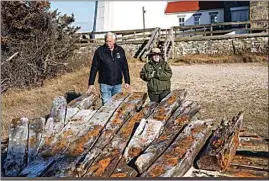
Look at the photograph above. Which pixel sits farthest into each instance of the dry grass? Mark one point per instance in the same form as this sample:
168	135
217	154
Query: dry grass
37	102
201	59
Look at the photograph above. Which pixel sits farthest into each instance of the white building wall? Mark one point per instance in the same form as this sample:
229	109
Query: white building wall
126	15
204	18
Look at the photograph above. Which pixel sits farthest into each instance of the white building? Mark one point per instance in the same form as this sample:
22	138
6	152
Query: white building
127	15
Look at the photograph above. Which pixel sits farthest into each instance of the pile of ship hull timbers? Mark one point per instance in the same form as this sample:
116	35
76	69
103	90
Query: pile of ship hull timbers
126	137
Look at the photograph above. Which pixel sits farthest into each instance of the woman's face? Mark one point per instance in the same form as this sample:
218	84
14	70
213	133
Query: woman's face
156	58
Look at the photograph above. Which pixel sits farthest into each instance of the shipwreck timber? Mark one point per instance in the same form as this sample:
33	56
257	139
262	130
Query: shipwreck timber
130	137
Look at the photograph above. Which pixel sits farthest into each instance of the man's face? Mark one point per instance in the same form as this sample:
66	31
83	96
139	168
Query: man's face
110	42
156	58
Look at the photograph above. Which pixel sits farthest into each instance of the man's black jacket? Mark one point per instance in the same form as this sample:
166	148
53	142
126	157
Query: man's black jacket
110	65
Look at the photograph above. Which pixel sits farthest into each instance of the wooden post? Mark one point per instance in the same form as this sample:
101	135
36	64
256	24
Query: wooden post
173	43
222	146
211	29
17	147
246	27
143	12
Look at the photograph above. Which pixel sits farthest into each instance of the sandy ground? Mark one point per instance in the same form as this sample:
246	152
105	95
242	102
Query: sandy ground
223	90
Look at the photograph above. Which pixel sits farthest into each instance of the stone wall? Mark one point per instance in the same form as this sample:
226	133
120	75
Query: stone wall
215	46
259	11
228	46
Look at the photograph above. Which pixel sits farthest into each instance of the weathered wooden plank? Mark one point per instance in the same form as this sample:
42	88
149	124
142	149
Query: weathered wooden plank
254	144
86	137
101	117
250	162
17	147
124	170
58	109
64	138
92	131
55	122
84	102
193	172
126	110
37	167
70	113
36	127
150	128
174	126
234	171
245	133
222	146
108	159
179	157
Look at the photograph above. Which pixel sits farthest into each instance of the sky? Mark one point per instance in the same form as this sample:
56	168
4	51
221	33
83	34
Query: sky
82	10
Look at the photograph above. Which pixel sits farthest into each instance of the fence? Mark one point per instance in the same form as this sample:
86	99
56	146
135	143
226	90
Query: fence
208	30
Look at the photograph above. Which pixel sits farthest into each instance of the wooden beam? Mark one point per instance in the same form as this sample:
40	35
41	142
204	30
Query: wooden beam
100	139
149	129
253	144
173	127
144	134
75	142
83	102
222	146
113	151
258	163
179	157
36	127
17	146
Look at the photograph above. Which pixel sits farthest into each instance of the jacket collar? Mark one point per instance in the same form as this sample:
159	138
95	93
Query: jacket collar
156	64
108	50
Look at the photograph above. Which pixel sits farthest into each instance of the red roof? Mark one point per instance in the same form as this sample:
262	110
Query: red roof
185	6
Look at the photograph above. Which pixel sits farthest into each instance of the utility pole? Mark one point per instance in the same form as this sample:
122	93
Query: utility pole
143	11
95	17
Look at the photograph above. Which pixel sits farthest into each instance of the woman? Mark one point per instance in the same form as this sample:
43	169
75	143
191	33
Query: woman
157	73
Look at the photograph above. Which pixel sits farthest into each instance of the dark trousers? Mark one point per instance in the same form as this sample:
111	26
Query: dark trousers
158	97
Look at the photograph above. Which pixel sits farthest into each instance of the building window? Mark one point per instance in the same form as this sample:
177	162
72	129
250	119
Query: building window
239	14
197	20
181	21
213	17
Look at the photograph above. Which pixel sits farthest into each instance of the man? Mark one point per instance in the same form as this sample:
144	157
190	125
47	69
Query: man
157	73
110	61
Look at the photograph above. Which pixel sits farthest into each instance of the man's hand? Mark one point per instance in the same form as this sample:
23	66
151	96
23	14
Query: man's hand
90	89
127	86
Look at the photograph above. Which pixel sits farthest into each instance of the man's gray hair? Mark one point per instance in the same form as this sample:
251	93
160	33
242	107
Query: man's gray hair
110	34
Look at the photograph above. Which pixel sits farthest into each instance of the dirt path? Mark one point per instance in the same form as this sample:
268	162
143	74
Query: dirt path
225	89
